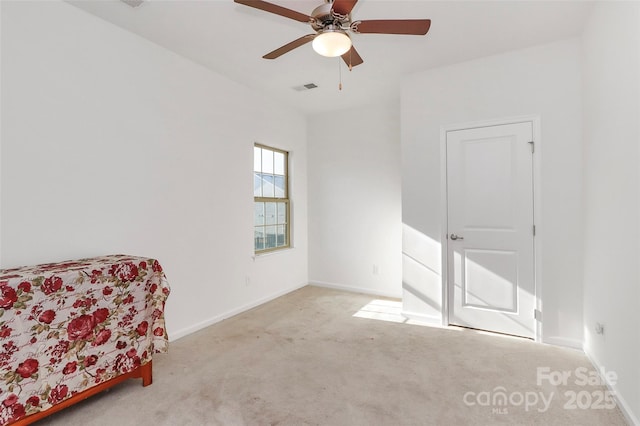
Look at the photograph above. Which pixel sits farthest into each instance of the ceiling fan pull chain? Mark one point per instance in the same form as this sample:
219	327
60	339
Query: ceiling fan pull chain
339	74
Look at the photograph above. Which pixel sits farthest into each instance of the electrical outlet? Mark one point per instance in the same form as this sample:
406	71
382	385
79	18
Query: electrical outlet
247	281
376	269
599	328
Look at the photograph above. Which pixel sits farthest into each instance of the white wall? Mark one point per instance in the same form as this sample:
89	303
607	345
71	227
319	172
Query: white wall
111	144
611	60
542	80
354	206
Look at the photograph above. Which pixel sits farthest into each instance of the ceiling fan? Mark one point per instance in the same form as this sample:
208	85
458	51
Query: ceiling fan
332	22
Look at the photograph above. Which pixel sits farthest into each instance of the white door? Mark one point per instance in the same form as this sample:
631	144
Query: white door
490	252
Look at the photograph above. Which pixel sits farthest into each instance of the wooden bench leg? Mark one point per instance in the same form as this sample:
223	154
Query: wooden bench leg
146	374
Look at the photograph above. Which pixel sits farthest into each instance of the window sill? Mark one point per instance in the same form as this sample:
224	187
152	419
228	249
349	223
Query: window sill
271	253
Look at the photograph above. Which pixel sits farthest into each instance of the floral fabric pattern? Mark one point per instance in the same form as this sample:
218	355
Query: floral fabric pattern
65	327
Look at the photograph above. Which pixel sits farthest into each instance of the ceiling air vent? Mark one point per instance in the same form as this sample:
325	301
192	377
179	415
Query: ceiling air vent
133	3
304	87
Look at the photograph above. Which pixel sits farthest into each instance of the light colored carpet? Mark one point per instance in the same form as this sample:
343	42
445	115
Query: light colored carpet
305	359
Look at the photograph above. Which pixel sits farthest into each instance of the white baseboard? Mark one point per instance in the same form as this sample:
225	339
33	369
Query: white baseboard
631	418
354	289
206	323
435	321
563	341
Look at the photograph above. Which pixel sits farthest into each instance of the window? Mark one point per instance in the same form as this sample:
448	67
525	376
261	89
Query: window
271	195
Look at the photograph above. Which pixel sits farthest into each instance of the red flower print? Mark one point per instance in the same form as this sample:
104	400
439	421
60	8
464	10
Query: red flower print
153	288
80	328
99	375
85	303
127	363
35	311
51	285
102	337
8	296
58	394
157	313
47	316
27	368
25	286
9	349
90	360
159	331
5	331
143	265
11	410
100	315
121	344
128	299
69	288
60	349
107	290
70	367
34	401
95	275
124	271
17	411
142	328
156	266
10	400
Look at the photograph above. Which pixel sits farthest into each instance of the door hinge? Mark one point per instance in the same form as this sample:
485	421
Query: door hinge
534	230
537	315
533	148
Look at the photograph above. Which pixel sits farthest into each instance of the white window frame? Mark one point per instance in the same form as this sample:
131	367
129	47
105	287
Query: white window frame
279	201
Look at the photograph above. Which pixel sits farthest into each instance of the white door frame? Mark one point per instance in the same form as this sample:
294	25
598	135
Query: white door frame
537	207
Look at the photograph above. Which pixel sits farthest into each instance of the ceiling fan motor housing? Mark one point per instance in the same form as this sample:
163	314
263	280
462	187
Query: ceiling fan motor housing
323	17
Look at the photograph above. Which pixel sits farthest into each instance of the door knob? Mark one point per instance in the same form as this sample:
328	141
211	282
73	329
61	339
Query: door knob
456	237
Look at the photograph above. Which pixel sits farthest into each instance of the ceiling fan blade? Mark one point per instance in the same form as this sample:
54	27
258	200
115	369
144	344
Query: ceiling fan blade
352	58
343	7
289	46
392	26
274	8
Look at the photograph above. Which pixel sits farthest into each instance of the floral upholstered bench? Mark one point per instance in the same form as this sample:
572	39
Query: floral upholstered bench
70	330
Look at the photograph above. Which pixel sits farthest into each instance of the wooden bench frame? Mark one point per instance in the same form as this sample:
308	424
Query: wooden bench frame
144	372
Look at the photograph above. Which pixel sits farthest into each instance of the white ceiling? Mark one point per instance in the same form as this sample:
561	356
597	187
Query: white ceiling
231	39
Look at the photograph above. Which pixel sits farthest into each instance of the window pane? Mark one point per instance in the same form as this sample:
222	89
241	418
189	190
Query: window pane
278	182
267	161
282	237
270	213
268	190
257	159
278	162
259	214
271	205
259	238
270	237
257	185
282	213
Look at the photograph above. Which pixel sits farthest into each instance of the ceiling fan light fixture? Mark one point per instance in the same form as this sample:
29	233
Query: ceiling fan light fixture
332	42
